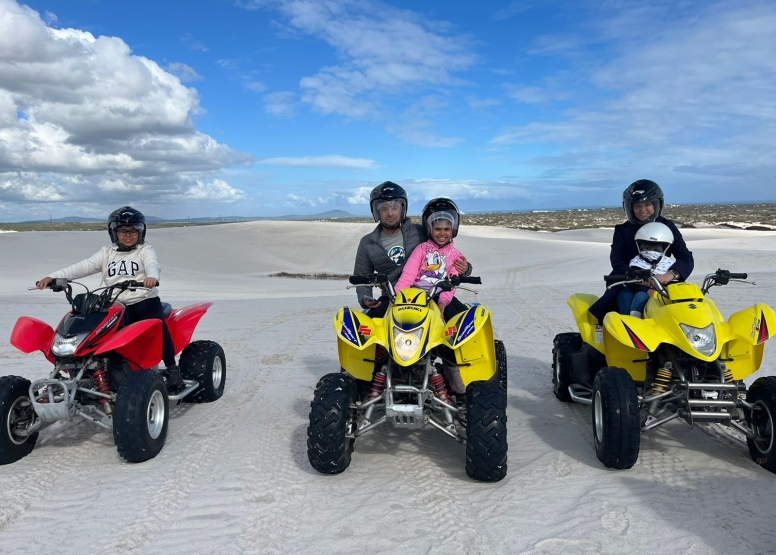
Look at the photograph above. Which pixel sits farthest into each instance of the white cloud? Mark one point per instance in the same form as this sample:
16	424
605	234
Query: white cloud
360	196
385	52
217	190
280	104
184	72
689	100
254	86
328	161
82	118
296	200
193	44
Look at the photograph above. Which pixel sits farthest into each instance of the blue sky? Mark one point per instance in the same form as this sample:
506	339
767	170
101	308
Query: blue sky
269	107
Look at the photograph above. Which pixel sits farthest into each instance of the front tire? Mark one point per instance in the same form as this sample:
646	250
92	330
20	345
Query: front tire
616	431
140	416
762	448
563	346
331	420
205	362
15	409
501	363
486	431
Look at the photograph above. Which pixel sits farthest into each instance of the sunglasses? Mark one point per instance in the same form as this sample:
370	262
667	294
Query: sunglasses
127	232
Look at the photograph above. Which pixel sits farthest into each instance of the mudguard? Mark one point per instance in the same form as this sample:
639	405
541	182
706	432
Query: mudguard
357	338
470	335
749	329
591	331
30	335
140	343
182	323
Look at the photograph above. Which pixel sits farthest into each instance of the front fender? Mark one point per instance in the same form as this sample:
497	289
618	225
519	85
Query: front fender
627	340
140	343
586	322
357	338
470	335
749	330
30	335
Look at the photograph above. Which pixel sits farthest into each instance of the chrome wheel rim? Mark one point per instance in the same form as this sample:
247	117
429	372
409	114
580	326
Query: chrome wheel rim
598	420
218	372
156	414
557	371
763	435
14	415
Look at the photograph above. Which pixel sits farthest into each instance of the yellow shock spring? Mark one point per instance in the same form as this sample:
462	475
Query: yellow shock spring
728	376
662	382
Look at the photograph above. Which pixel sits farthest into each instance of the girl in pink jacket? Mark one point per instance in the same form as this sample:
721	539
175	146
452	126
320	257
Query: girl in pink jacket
433	260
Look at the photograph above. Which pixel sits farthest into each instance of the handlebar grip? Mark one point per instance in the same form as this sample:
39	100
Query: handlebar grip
614	278
474	280
374	279
739	276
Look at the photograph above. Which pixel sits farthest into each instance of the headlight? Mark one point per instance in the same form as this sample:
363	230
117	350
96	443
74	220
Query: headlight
66	346
703	340
406	343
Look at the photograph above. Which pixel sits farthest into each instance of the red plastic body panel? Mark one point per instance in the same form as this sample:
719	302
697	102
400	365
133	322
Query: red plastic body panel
140	343
182	323
31	334
107	329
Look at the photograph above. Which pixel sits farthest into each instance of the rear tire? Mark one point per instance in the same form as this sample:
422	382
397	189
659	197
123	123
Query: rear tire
331	418
140	416
616	428
501	363
762	449
563	346
205	362
15	406
486	431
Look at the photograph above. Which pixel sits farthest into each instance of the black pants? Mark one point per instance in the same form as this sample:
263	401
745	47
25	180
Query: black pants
146	310
455	307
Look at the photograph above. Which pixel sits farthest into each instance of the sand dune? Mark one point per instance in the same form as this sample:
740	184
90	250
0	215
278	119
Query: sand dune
234	478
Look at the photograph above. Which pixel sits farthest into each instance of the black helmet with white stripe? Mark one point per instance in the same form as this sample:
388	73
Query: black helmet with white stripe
441	208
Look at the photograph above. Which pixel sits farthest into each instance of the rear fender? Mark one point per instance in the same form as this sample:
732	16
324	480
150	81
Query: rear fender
30	335
750	329
357	338
470	335
140	343
589	328
182	323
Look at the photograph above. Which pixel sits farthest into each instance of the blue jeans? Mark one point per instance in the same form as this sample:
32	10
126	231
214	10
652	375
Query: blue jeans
629	301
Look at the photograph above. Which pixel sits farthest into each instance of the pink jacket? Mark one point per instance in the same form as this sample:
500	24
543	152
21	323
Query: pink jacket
428	264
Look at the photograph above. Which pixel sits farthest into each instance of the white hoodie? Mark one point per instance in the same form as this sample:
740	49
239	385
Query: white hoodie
117	266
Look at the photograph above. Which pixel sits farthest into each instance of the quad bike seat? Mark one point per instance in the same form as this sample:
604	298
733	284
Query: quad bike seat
166	309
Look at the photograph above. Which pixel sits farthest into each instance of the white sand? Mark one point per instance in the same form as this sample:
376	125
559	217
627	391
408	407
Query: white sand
234	477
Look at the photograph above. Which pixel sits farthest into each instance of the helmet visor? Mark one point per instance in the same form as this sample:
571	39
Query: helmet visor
439	218
388	208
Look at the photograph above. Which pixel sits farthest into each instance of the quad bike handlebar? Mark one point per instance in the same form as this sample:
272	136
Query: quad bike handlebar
91	301
720	277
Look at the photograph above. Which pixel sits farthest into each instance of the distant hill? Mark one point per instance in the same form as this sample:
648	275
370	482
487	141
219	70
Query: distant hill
330	215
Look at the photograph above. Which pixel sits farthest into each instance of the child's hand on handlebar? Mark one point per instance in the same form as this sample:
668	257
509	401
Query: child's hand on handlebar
666	278
43	283
150	282
461	265
372	303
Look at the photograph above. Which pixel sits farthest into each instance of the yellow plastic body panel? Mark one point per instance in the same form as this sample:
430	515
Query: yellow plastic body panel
587	324
749	329
469	335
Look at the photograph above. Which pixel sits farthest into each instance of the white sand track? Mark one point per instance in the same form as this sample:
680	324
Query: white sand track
234	477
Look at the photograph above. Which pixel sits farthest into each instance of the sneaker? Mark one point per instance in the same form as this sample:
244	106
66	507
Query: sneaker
175	382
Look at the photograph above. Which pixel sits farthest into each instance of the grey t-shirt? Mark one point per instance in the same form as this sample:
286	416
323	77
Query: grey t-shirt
394	246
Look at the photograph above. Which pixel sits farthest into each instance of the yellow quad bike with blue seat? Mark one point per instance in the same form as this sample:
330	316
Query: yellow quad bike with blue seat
682	360
397	371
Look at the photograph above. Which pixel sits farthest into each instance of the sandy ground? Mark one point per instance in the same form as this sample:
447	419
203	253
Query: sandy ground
234	476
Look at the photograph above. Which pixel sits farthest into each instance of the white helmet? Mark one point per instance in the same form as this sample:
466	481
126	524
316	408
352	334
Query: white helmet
653	240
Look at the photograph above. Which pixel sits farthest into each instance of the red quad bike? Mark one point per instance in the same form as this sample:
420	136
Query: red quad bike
106	372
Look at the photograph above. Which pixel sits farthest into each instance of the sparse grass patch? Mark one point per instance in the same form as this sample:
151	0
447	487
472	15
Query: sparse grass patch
311	276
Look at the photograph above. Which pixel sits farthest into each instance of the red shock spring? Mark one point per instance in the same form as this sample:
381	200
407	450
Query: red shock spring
101	383
378	385
439	387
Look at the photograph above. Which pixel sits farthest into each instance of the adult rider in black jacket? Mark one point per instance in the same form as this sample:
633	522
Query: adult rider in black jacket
643	202
386	249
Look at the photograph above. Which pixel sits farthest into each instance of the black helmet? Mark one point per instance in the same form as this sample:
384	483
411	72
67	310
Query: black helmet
642	190
126	215
388	191
441	208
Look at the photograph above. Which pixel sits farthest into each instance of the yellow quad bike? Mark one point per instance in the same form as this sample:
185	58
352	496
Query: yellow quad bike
683	360
397	370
